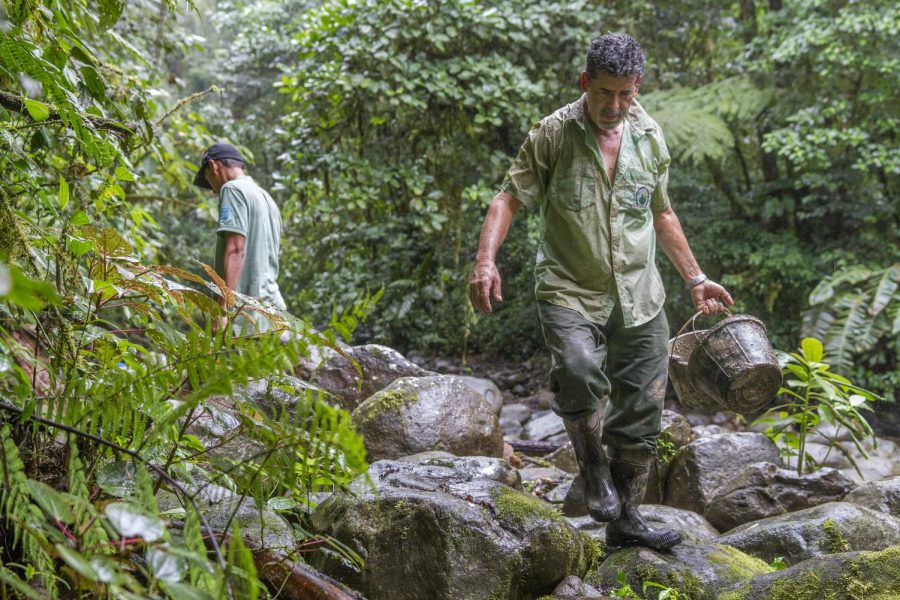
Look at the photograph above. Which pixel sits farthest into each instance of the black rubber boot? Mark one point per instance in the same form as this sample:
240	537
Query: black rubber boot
599	492
630	472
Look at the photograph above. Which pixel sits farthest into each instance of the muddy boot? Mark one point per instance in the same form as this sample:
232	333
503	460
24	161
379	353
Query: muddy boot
630	471
593	465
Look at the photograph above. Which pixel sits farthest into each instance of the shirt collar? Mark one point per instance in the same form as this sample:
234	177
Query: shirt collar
640	121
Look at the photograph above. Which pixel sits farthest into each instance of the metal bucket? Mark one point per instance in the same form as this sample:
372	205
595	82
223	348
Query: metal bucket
680	349
734	363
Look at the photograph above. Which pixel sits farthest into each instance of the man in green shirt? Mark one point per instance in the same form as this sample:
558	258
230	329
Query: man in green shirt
249	228
597	170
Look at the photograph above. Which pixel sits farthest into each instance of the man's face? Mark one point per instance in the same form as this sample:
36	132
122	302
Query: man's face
609	98
215	175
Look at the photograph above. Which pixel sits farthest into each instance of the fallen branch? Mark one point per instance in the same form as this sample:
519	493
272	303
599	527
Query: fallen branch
17	104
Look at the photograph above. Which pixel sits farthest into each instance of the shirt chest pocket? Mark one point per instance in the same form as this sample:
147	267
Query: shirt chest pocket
639	188
575	190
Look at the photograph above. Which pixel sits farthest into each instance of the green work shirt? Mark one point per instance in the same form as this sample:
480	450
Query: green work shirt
247	209
597	241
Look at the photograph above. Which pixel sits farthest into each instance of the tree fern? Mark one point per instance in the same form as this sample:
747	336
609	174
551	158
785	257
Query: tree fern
20	513
853	310
698	122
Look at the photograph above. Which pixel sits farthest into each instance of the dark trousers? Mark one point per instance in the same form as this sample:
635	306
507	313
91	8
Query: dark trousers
592	362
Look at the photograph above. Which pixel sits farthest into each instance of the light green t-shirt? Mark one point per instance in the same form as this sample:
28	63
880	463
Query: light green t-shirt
597	241
247	209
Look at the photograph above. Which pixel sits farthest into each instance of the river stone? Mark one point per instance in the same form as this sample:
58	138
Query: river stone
261	527
486	388
217	426
438	412
700	468
765	490
573	587
697	571
564	458
676	428
512	430
825	529
443	533
690	525
883	496
336	373
844	576
544	426
516	412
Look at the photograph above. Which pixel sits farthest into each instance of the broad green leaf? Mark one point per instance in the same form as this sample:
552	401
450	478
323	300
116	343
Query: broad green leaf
186	592
165	566
80	218
133	521
116	478
123	174
38	110
282	503
10	579
110	11
51	501
812	349
108	241
62	196
78	562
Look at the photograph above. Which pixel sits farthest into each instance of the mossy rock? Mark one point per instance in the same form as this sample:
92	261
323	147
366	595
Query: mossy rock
700	571
845	576
447	528
421	414
829	528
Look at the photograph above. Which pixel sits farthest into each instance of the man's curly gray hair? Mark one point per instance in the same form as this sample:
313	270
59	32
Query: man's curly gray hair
616	54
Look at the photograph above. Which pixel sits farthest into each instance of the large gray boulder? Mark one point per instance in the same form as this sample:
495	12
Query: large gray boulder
697	571
765	490
261	527
883	496
486	388
702	467
449	528
418	414
826	529
844	576
356	372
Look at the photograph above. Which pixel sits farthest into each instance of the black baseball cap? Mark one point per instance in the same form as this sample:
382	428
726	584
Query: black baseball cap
217	151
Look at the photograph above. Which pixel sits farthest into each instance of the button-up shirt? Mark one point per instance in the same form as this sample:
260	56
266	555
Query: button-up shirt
597	242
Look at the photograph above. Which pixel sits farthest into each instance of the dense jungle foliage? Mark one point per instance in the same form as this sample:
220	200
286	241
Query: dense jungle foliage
382	128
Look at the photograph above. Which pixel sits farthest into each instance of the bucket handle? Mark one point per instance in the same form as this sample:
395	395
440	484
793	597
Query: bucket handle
693	323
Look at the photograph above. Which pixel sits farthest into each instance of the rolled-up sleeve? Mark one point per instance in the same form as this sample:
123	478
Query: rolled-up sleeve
660	199
529	175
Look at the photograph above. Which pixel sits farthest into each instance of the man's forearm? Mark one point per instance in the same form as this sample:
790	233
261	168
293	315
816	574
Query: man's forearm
496	225
674	244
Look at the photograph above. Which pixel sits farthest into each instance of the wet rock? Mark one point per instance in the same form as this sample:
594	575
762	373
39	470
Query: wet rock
217	426
883	496
700	468
564	458
261	527
826	529
533	474
335	372
697	571
676	428
437	412
544	426
765	490
573	587
486	388
516	412
511	429
693	527
844	576
432	532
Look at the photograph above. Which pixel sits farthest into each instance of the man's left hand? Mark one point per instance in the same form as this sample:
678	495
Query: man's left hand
710	298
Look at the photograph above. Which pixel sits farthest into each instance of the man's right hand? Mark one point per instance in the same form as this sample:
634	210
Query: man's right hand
484	285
